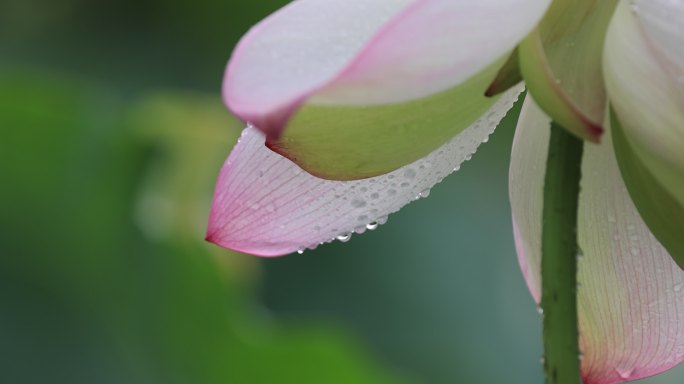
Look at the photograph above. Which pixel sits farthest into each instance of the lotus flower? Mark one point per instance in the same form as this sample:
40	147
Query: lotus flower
357	107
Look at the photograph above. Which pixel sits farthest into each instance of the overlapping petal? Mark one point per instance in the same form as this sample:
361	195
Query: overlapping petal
644	71
266	205
561	64
631	293
360	61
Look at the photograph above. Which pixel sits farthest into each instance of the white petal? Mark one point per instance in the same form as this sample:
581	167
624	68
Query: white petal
644	73
631	293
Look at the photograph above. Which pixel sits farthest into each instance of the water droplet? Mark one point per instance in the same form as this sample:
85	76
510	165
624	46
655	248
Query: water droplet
382	220
404	185
360	229
375	195
624	373
456	168
372	226
580	357
540	310
424	193
391	192
409	173
300	250
344	237
468	157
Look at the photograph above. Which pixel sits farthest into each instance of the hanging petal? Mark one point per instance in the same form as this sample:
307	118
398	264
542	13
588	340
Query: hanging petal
631	293
266	205
335	73
644	70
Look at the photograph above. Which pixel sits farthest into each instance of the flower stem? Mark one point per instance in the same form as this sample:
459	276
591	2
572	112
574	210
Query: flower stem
559	258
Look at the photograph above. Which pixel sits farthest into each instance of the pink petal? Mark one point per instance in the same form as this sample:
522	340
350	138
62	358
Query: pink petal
367	52
631	293
265	205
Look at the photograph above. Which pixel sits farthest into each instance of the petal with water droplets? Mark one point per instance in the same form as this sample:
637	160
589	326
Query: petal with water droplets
631	306
265	205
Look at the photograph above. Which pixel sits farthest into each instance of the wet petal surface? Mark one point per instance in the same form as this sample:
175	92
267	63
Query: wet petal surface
266	205
631	293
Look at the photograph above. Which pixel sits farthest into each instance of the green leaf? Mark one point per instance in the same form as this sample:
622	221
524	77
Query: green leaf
345	143
660	210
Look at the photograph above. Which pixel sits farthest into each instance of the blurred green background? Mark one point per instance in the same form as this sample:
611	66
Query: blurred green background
111	135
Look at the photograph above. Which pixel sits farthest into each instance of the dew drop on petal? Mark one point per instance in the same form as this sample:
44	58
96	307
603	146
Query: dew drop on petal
624	373
372	226
344	237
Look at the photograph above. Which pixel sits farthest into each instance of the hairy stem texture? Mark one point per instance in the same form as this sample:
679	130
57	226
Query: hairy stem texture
559	258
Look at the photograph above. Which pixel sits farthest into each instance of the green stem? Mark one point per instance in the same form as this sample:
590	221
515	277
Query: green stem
559	258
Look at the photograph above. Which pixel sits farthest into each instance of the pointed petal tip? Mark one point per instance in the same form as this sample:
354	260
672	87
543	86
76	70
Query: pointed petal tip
595	131
267	206
242	243
249	248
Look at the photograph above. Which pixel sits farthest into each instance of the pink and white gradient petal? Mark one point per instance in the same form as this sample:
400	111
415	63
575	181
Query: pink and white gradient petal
631	293
360	52
266	205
